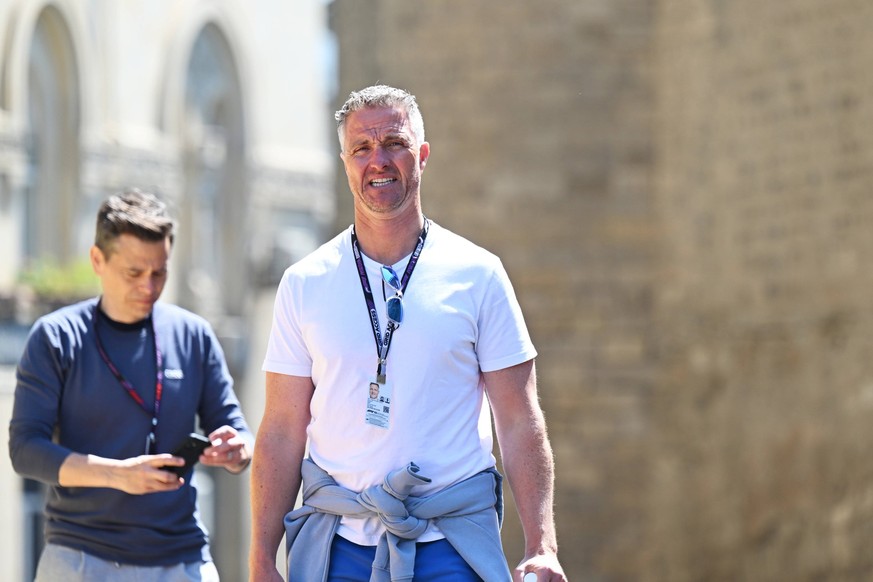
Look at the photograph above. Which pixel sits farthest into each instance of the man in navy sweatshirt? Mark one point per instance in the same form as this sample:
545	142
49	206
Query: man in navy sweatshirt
106	390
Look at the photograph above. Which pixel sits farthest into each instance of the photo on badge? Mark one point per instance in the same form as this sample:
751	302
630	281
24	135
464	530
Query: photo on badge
378	405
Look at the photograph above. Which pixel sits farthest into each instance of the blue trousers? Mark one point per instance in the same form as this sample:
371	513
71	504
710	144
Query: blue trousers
436	560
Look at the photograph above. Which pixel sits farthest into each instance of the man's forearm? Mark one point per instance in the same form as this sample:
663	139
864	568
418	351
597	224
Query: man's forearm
87	471
525	452
278	456
136	475
274	486
530	472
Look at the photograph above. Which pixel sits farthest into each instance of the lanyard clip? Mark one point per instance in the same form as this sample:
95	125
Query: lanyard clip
380	371
150	448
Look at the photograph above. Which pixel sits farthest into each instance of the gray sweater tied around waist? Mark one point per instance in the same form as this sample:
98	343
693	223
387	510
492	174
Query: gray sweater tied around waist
468	513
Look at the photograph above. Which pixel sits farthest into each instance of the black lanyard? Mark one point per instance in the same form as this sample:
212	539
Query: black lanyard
384	344
159	381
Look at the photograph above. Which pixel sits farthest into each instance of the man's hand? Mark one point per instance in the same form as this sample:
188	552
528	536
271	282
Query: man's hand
228	450
545	566
144	474
136	475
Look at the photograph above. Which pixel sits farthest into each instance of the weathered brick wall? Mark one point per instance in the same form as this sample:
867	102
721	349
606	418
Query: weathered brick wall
762	412
539	117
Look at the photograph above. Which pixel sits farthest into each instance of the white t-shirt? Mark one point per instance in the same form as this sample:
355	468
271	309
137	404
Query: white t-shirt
461	318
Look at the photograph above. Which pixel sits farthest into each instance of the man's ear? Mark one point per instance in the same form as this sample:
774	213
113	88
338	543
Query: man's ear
423	155
97	259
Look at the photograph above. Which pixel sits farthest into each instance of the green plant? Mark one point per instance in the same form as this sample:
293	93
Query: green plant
50	280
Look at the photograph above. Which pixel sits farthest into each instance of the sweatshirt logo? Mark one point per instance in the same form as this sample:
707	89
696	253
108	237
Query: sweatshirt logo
173	374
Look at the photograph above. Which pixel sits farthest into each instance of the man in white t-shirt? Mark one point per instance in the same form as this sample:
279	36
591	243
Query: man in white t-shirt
391	346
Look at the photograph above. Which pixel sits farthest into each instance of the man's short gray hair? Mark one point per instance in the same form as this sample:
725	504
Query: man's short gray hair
381	96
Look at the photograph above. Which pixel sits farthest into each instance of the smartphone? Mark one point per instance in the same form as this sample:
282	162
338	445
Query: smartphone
190	449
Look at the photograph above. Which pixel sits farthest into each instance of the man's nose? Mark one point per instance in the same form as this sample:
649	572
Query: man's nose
379	157
149	284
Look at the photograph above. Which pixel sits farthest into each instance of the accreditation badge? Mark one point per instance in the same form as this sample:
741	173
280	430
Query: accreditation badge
378	404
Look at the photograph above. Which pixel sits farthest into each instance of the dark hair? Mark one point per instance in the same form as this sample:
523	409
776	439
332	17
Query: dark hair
133	211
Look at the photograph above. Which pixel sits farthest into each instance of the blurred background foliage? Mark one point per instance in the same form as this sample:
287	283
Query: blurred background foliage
48	279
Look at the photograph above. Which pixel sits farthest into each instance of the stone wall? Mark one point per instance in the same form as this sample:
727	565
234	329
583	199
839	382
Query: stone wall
681	192
765	383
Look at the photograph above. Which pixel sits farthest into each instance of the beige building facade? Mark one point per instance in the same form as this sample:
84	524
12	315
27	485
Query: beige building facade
221	105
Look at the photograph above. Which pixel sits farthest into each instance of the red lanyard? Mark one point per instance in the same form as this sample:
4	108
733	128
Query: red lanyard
159	381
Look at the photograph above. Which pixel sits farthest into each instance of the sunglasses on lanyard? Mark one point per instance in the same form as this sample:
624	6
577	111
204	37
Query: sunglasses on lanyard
394	304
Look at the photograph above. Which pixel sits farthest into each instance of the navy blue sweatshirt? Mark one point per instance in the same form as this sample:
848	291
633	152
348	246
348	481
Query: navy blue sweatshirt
67	400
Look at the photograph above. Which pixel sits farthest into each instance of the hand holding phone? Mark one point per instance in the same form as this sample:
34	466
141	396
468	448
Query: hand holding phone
190	449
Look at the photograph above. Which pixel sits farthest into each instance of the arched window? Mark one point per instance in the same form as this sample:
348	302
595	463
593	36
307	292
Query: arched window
52	142
212	240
